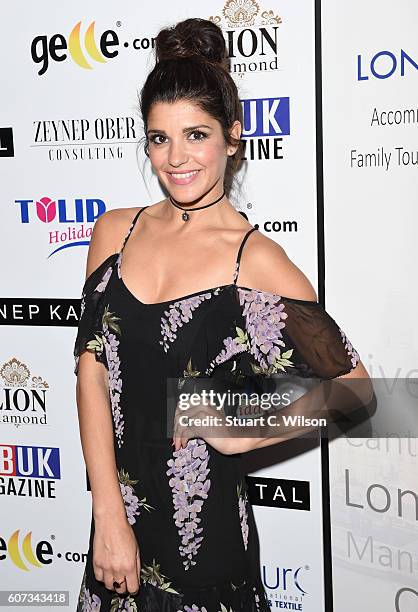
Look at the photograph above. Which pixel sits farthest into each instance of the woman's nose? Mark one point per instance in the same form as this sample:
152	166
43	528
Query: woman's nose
177	153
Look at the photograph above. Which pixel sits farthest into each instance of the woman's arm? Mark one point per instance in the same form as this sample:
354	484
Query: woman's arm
92	393
96	433
329	400
115	553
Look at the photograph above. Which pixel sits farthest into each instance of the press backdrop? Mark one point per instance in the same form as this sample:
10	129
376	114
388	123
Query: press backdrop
319	84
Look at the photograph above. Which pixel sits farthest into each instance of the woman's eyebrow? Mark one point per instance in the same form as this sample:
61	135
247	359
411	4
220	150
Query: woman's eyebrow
187	129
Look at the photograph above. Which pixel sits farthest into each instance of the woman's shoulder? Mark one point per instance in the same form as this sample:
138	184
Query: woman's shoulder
266	266
108	234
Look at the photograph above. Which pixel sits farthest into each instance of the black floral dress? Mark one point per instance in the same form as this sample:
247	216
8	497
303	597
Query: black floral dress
189	509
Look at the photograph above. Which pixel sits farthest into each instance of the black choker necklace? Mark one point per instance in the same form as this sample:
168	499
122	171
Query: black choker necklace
185	216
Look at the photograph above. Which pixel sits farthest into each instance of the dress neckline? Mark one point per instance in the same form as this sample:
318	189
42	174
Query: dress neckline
182	297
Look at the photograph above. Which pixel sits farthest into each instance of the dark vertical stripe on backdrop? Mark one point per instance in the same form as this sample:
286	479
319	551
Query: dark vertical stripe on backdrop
326	515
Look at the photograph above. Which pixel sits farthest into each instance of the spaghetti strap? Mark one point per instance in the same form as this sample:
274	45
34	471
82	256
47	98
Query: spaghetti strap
132	227
237	263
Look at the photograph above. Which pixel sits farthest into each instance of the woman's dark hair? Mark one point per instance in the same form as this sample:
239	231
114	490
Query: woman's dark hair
192	64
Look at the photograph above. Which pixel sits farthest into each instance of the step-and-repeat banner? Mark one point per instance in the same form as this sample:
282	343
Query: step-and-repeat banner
69	130
370	76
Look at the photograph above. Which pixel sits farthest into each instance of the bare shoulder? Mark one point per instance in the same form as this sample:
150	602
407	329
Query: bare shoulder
266	266
108	234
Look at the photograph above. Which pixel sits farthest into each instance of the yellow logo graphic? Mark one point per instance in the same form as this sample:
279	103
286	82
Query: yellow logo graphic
75	50
13	549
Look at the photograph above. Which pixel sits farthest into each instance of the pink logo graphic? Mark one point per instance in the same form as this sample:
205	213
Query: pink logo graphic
46	209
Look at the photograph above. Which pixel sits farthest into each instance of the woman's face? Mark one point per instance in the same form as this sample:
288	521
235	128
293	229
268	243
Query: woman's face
187	150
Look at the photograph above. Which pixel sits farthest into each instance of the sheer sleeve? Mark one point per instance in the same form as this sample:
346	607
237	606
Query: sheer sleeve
294	336
90	332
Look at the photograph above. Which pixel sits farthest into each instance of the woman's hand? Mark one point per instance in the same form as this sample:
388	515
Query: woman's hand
116	554
206	422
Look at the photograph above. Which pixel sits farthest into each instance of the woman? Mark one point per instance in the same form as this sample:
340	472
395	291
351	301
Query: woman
172	529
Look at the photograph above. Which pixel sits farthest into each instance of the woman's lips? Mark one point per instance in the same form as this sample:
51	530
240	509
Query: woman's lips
178	179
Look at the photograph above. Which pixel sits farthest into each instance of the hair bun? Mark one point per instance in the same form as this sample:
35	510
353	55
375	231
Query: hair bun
192	38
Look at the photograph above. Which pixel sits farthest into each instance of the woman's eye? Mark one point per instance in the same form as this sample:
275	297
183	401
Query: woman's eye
201	135
154	137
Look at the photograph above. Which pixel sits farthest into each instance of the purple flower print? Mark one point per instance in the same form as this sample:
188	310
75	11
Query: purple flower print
181	311
95	344
264	320
355	357
111	344
87	602
189	482
132	503
91	603
106	340
233	346
243	513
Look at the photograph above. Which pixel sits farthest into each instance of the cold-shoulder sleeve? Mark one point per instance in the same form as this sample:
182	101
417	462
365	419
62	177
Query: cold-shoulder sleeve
294	336
90	331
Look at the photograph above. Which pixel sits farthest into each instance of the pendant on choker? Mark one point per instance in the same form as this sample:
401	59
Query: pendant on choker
185	216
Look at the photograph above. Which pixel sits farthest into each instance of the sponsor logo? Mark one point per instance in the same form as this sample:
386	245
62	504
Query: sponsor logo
54	312
23	398
82	139
265	122
279	493
252	36
26	553
384	64
65	215
98	48
285	586
29	471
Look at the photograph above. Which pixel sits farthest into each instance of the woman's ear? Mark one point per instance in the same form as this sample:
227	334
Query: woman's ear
235	132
